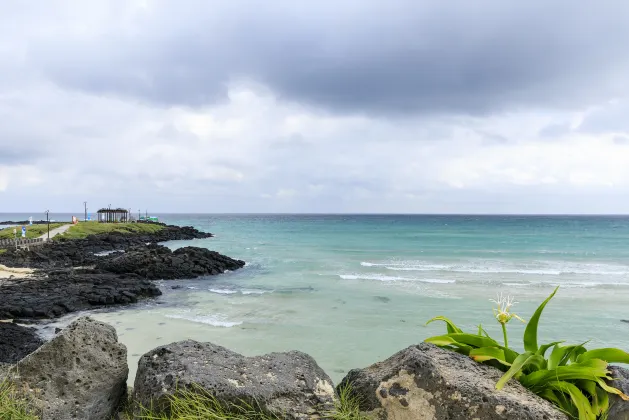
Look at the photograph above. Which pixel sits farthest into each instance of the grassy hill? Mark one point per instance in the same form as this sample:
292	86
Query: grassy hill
84	229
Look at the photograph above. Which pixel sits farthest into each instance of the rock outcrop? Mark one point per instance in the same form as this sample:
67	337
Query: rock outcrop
80	252
424	382
68	291
286	384
17	342
157	262
79	375
619	409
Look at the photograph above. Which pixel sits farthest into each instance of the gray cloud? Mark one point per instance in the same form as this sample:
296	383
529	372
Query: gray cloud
354	56
356	105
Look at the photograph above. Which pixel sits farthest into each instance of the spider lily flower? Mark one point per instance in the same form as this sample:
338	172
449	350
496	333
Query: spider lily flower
502	312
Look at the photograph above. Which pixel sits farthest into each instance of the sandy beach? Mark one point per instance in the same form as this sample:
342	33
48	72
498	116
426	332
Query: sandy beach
6	272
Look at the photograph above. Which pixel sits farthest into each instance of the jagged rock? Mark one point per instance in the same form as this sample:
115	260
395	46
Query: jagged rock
158	262
287	384
17	342
424	382
80	374
619	409
80	252
62	292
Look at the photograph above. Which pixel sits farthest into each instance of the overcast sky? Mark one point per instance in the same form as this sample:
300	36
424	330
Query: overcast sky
485	106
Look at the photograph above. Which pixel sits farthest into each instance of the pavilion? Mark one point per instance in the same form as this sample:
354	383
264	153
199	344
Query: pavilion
113	215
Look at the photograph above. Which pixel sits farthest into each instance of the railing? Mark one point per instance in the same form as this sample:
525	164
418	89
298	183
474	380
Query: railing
8	243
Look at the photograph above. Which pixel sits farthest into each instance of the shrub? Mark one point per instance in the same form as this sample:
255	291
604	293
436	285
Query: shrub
571	377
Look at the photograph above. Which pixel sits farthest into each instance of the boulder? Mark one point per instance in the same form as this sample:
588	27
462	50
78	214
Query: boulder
424	382
619	409
290	384
80	374
17	341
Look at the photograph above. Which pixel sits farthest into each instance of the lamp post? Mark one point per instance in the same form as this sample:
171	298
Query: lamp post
48	223
85	205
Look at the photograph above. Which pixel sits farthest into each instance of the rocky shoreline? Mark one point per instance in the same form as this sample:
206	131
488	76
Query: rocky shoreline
82	374
70	276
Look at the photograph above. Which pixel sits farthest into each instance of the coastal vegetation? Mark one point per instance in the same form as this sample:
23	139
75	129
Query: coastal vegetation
571	377
85	229
198	404
194	404
14	406
32	231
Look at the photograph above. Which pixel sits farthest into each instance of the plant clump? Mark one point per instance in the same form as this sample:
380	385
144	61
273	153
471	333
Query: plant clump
571	377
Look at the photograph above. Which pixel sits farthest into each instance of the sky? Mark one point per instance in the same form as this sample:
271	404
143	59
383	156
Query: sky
344	106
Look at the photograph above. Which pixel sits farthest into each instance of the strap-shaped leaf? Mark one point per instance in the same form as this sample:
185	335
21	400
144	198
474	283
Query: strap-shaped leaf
562	354
610	355
580	401
484	354
530	333
591	370
542	349
451	326
559	399
611	389
474	340
519	363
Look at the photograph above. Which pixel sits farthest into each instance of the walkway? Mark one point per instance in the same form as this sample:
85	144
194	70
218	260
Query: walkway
55	232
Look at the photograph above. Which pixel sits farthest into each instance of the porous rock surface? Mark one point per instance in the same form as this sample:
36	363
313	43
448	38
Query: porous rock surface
424	382
290	384
79	375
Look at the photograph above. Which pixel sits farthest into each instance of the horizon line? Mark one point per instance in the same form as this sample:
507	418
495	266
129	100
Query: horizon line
339	213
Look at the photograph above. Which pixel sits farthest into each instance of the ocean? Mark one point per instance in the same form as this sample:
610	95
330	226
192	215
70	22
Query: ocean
353	289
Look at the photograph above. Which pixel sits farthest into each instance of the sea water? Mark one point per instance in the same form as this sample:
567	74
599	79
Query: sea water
353	289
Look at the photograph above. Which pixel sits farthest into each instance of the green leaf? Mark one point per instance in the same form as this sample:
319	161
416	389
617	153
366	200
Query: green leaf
611	389
447	341
580	401
590	370
484	354
474	340
560	400
542	349
530	333
561	355
603	400
519	363
597	395
452	328
610	355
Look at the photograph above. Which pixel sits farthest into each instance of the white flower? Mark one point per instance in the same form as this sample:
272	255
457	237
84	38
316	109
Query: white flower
502	312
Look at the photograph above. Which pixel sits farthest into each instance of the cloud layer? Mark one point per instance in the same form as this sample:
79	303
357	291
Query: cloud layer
352	106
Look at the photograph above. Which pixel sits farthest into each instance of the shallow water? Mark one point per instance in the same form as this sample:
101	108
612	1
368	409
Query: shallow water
351	290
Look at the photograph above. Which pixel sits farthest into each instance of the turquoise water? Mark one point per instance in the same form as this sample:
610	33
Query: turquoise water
351	290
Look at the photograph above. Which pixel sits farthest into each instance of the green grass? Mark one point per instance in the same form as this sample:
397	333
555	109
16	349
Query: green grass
14	406
196	404
32	231
84	229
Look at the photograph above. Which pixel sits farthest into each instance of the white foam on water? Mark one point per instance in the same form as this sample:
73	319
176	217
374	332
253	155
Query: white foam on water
217	320
542	268
255	292
223	291
380	277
